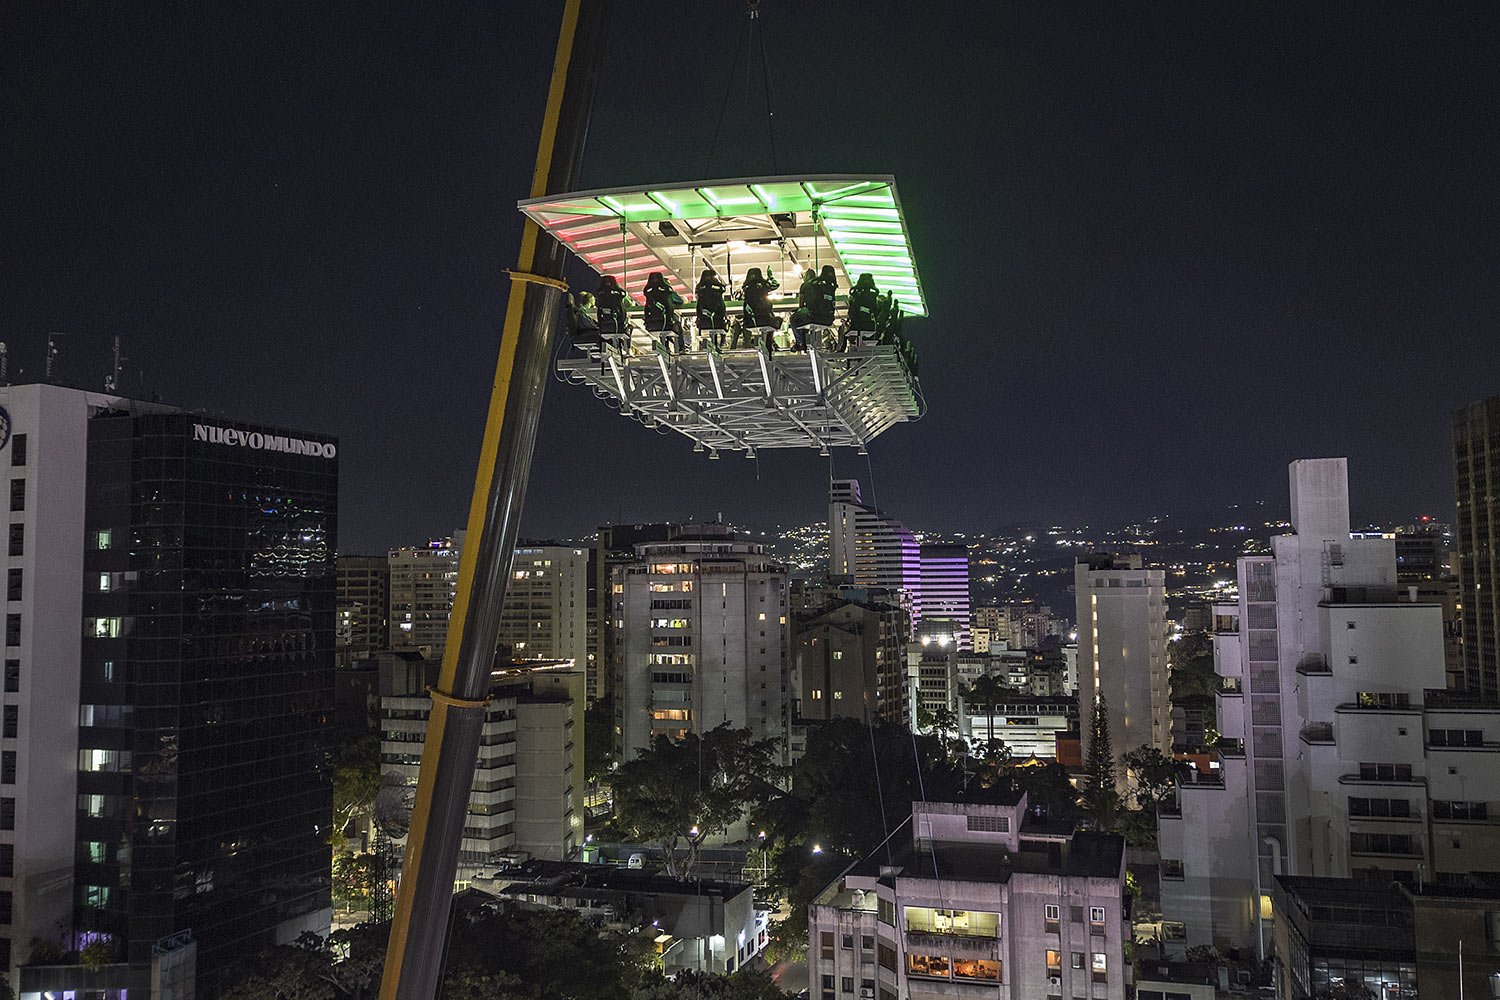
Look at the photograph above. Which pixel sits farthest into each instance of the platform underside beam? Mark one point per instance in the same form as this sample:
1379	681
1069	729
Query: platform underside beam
736	400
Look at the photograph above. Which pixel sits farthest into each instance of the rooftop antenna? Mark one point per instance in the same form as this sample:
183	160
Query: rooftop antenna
112	380
4	364
51	354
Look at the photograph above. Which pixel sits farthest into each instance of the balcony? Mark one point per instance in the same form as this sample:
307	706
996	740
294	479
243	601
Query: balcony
956	945
1317	734
1314	665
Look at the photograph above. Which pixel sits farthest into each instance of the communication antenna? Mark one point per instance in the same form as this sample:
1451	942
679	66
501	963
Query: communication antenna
4	364
112	380
51	354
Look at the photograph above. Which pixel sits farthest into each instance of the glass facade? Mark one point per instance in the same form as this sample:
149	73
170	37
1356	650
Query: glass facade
205	784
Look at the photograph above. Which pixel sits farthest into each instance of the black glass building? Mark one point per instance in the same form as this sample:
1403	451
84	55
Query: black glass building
205	783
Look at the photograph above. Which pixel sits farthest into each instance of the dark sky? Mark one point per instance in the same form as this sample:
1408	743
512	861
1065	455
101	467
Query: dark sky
1168	247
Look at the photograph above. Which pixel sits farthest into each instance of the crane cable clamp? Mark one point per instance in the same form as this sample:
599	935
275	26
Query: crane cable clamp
537	279
452	702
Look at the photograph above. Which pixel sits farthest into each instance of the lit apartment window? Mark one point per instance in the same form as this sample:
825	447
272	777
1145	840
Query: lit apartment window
1100	967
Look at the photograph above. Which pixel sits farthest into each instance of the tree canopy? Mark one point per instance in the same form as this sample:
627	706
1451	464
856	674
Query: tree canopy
677	793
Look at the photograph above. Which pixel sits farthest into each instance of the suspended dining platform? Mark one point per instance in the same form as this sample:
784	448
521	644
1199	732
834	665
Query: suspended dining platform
742	389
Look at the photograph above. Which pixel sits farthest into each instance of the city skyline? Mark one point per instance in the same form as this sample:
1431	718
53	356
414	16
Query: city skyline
312	234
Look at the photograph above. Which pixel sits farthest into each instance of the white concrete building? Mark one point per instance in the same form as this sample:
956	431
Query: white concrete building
975	900
1122	651
944	587
423	581
546	605
702	639
1027	724
526	800
869	548
1344	755
43	447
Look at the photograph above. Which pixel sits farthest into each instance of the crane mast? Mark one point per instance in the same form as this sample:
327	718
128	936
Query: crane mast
413	962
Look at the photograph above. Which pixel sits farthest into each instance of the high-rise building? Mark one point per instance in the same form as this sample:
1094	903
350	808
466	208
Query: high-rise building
204	801
424	580
702	639
546	604
1476	540
1342	754
976	899
44	448
364	606
615	547
869	548
1019	626
168	689
848	661
1122	651
525	801
944	587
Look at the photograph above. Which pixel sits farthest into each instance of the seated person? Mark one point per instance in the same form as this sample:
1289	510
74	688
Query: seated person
581	318
757	290
713	318
824	297
662	301
803	316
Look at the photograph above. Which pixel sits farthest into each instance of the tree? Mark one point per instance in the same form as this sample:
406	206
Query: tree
98	953
1103	799
1154	775
598	738
356	781
987	691
353	880
678	793
853	787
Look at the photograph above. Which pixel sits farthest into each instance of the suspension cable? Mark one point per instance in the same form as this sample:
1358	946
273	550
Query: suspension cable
724	105
765	73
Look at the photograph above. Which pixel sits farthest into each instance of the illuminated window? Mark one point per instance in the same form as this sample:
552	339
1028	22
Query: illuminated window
102	628
1054	962
935	966
976	968
1100	966
104	539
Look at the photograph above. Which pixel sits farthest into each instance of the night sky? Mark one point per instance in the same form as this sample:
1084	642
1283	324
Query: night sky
1167	247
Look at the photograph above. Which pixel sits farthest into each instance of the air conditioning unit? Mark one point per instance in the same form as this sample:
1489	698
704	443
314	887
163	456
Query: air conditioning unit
1054	982
867	994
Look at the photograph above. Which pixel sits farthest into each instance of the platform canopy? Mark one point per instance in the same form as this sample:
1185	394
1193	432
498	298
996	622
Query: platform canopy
783	225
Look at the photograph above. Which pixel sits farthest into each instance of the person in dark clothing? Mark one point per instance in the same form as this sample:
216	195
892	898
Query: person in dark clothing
803	316
825	297
662	301
712	316
883	318
581	318
758	314
864	303
611	303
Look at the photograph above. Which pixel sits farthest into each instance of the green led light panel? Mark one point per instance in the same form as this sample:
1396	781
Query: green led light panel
780	224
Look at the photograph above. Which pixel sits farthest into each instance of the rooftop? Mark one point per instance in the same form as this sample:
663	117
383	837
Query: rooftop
575	878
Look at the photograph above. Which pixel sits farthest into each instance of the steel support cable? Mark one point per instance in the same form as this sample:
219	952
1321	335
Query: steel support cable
724	105
765	73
